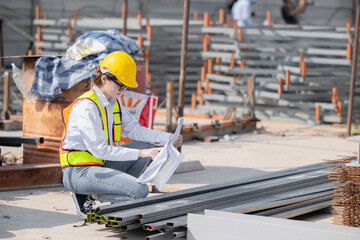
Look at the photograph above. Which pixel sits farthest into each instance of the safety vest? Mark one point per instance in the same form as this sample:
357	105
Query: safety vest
76	157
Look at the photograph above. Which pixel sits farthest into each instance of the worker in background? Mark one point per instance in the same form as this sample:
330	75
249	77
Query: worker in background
290	10
93	165
241	11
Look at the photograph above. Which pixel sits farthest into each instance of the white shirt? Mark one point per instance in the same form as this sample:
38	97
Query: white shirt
241	11
85	131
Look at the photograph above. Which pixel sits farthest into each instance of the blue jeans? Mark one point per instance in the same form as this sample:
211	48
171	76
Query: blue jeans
114	182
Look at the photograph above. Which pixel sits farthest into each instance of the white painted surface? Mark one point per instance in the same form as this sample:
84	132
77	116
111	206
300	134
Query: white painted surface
228	226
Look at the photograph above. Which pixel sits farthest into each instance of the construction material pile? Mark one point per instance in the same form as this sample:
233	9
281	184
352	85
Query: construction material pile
346	201
283	194
298	77
159	39
55	36
165	52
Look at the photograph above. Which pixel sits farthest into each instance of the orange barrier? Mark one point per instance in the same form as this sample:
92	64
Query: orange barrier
268	17
317	112
221	16
139	16
280	87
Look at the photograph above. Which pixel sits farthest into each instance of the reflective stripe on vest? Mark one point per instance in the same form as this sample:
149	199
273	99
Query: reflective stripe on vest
74	157
117	126
78	158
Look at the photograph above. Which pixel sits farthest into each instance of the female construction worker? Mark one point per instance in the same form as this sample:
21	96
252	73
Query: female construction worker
91	161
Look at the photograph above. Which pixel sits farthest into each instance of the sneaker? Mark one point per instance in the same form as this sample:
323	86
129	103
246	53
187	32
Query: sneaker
83	204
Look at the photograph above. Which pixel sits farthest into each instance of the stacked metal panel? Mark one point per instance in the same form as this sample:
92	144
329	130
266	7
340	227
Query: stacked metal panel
159	38
165	52
283	194
302	74
287	89
56	35
346	201
21	13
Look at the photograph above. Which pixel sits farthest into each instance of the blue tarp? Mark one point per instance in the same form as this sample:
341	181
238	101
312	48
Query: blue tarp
53	73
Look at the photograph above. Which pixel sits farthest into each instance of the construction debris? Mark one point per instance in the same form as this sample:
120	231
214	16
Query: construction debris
9	158
346	201
217	128
208	139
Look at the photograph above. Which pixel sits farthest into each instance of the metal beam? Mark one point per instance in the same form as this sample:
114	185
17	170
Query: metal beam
353	70
17	141
200	190
29	175
279	33
124	16
182	77
212	199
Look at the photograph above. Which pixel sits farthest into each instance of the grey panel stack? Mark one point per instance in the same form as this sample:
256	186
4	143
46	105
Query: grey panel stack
21	13
283	194
298	77
165	53
164	47
55	39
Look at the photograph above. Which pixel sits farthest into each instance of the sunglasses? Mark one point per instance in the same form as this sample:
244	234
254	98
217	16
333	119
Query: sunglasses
122	86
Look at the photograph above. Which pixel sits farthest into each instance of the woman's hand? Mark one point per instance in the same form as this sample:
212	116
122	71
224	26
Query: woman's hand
179	141
151	152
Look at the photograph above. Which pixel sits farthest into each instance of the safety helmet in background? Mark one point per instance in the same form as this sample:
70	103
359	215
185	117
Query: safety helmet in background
123	66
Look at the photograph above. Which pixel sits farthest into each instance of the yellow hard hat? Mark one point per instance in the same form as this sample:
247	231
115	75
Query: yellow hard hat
122	66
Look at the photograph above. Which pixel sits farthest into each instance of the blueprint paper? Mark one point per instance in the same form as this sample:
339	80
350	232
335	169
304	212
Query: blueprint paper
165	163
168	168
175	136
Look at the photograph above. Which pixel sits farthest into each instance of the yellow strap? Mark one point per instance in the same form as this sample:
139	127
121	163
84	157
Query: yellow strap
76	158
92	96
73	158
117	127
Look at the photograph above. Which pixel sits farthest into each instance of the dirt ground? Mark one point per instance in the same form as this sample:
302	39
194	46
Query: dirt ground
48	213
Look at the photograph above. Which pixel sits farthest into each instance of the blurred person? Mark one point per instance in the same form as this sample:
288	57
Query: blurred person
291	9
241	11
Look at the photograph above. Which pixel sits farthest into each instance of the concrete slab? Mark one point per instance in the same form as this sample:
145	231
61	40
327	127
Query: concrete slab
49	213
